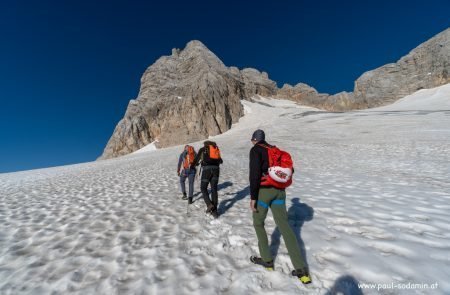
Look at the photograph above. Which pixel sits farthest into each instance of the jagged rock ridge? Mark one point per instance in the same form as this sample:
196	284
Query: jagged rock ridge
185	97
426	66
191	94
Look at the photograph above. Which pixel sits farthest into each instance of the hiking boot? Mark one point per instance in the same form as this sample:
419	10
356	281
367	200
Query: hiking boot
210	208
258	260
190	201
302	275
184	197
215	214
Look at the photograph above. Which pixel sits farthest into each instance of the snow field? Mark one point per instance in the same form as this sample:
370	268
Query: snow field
369	204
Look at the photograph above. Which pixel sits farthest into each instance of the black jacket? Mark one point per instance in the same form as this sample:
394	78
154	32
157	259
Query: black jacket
259	165
201	157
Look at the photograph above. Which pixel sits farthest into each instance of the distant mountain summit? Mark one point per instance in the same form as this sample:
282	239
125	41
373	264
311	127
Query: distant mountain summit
426	66
185	97
191	94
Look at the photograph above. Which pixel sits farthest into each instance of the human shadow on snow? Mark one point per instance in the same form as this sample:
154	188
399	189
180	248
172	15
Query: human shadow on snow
224	185
195	199
298	213
345	285
228	203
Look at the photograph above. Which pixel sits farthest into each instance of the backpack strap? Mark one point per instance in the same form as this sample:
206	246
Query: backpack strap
267	147
263	145
185	159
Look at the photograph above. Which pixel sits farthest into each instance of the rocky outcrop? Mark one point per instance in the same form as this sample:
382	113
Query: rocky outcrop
307	95
303	94
256	82
185	97
191	94
426	66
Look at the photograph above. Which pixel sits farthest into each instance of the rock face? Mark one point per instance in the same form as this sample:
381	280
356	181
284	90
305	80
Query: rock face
304	94
191	94
307	95
257	83
426	66
185	97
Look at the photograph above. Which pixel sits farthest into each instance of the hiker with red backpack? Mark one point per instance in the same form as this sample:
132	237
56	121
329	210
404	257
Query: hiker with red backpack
209	157
184	170
271	172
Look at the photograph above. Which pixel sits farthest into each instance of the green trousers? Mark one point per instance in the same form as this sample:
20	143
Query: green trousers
275	199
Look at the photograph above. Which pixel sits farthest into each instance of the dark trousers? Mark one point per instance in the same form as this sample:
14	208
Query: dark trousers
190	175
210	175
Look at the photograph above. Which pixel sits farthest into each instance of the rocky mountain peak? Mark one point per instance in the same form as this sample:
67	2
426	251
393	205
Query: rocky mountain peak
186	96
197	50
426	66
190	94
196	45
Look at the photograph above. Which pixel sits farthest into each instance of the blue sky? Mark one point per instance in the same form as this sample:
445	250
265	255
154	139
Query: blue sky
69	68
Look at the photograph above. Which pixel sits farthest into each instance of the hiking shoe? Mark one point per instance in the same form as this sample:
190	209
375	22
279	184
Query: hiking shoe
190	201
184	197
302	275
210	208
215	214
258	260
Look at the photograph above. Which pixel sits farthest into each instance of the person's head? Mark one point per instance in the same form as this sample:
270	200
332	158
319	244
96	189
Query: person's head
186	147
258	136
209	142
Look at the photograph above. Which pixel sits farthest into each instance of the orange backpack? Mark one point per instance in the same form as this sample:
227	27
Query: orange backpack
189	158
214	152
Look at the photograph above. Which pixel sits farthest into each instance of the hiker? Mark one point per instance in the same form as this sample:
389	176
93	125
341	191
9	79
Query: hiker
209	158
268	191
184	170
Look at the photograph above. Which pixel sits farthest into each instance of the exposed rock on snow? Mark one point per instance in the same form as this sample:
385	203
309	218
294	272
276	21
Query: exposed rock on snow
210	96
303	94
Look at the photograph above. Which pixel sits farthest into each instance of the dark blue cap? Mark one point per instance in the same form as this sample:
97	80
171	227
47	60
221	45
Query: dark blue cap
259	135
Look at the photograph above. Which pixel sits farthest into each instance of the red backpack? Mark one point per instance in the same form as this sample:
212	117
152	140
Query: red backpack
189	158
281	168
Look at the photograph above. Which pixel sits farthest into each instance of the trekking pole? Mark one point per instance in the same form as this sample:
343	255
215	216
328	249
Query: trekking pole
200	172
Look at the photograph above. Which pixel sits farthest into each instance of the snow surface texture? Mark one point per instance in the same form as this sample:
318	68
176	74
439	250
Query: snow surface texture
370	204
148	148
